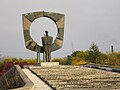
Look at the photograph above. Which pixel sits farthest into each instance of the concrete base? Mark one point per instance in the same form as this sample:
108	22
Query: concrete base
49	64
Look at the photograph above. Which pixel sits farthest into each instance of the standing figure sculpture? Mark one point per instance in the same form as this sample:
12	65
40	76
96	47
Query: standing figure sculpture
47	45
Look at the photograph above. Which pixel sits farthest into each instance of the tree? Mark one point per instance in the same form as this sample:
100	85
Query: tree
81	54
93	53
69	60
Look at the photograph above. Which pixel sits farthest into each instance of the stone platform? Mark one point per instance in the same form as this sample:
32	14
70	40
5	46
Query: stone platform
78	78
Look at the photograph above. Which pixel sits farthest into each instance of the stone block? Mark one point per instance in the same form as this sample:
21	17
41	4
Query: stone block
49	64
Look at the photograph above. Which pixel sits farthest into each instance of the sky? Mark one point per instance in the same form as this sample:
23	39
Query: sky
86	21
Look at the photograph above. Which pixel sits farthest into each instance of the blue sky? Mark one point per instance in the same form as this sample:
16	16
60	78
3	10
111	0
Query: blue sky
86	21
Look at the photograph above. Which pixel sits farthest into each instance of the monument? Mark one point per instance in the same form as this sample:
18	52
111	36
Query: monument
48	46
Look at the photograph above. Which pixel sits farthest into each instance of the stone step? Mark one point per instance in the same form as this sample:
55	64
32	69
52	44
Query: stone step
78	78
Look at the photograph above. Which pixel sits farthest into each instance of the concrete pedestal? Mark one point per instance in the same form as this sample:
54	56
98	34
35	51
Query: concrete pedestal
49	64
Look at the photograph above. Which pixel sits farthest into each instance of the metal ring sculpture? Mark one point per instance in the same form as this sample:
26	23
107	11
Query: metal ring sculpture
28	18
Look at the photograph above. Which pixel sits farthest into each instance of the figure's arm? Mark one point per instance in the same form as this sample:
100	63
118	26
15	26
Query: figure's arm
42	41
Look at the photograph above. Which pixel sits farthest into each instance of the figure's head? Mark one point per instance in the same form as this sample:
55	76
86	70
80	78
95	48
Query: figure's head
46	32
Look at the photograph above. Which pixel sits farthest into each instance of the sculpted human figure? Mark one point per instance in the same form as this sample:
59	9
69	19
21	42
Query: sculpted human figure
47	45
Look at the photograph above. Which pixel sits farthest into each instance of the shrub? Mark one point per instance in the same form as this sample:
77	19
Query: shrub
78	61
62	61
7	63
